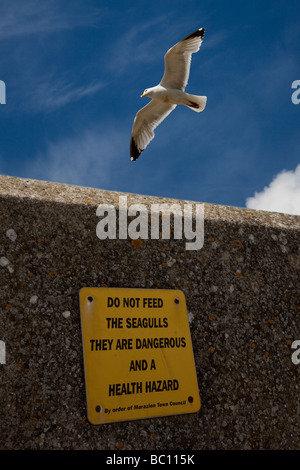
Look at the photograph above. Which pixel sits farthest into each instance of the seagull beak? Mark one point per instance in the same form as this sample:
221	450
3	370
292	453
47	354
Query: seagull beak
142	96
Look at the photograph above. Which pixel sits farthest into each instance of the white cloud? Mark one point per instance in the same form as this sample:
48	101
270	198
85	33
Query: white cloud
282	194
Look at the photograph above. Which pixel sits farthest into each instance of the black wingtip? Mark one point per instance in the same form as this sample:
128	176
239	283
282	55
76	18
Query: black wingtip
199	33
134	151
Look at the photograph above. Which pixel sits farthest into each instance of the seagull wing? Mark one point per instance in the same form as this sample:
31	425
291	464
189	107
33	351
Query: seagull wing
145	121
178	60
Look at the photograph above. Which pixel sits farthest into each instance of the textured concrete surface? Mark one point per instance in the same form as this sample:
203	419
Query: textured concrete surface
242	291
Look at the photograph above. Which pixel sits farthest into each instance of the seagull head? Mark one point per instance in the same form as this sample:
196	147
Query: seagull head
147	92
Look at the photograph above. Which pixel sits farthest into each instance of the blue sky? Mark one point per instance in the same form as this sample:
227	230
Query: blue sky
74	72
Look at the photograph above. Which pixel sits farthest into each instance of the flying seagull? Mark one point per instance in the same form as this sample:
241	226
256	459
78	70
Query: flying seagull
169	93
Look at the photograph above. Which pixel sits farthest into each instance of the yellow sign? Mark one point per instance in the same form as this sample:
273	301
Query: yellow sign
138	355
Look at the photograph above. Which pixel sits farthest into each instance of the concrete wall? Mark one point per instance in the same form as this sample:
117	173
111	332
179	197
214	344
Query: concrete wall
242	292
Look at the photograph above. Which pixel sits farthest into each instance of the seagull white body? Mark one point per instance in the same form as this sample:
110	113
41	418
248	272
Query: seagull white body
168	94
171	96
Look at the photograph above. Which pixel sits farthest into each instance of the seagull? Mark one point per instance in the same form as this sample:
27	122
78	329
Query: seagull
168	93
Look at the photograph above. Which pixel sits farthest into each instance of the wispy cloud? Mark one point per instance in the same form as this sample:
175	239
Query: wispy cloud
46	92
33	16
147	42
87	159
282	194
51	93
134	46
39	73
96	157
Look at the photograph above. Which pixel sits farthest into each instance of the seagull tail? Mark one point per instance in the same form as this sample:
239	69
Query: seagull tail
196	103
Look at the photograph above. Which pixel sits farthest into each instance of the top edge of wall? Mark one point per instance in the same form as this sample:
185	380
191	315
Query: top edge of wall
25	188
